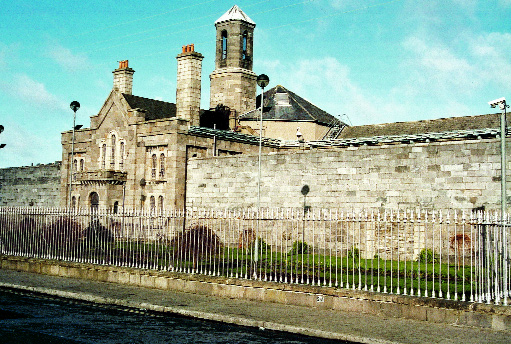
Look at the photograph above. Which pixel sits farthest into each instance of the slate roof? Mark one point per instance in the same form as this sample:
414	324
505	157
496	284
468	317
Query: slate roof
235	13
421	127
155	109
298	109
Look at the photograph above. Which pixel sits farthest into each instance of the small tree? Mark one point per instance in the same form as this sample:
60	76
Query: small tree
196	243
299	247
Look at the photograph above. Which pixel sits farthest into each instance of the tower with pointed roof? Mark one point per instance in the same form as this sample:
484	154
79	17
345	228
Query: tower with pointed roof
233	83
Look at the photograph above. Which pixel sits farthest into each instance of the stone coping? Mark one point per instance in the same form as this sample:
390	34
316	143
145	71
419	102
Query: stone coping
497	317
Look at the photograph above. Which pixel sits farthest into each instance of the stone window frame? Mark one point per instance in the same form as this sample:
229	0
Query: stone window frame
224	44
162	165
110	149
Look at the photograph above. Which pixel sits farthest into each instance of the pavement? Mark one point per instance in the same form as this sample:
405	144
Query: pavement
347	326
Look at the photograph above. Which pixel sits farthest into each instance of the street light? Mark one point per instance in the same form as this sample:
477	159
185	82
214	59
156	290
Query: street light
74	106
2	145
262	81
501	103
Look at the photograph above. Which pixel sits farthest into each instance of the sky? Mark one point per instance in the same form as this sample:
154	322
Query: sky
363	61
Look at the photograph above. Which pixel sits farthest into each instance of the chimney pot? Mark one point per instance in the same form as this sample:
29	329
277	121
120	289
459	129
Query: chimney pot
184	48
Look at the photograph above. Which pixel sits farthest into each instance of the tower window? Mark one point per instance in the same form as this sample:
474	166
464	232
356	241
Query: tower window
121	156
245	38
224	45
103	161
162	165
153	165
112	161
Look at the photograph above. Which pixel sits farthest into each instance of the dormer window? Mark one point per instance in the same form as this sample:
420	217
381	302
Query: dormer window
224	45
282	99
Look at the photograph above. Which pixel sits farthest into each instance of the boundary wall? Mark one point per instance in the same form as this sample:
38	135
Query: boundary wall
449	312
30	185
463	175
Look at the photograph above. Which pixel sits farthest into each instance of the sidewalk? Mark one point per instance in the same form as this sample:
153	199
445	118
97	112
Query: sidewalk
359	328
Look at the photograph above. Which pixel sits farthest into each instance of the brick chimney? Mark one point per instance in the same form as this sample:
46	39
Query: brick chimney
188	91
123	78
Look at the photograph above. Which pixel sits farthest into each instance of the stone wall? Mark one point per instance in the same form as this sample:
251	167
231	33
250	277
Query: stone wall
437	175
30	185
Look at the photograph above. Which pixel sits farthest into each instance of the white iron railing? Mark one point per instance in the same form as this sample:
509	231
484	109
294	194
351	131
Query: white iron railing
450	255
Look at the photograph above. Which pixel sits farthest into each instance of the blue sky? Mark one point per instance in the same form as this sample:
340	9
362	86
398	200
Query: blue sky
375	61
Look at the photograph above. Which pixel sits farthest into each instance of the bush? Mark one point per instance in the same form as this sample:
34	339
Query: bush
96	234
354	253
196	243
262	248
63	234
427	256
299	247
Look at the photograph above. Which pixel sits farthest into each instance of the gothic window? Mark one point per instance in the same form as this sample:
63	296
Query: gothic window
162	165
224	45
103	161
160	204
116	207
121	156
75	166
112	160
245	38
152	203
154	164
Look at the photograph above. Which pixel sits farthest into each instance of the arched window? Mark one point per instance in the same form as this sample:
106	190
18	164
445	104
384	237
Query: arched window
82	161
245	38
152	203
116	207
75	168
160	204
73	202
154	163
162	165
94	201
112	157
224	45
121	156
103	151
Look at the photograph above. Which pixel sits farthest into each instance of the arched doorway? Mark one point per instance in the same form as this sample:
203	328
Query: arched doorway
94	201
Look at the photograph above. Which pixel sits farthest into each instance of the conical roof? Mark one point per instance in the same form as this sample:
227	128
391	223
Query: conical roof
235	13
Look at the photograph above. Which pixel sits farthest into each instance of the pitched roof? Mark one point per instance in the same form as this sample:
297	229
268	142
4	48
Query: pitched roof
288	106
154	109
235	13
421	127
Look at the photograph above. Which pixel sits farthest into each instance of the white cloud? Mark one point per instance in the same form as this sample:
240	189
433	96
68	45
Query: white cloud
66	59
33	92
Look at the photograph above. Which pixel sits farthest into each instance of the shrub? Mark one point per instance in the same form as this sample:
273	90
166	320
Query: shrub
427	256
354	253
196	243
97	234
299	247
63	234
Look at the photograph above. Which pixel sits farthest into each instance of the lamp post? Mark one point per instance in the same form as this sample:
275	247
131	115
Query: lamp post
262	81
501	103
74	106
2	145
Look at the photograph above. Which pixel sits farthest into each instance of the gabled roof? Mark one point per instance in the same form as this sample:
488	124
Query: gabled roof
235	13
154	109
425	126
288	106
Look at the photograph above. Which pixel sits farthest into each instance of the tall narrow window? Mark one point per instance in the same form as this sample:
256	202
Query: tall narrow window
153	166
81	164
245	38
162	165
224	45
121	156
152	202
160	204
116	207
103	162
112	156
73	202
75	168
